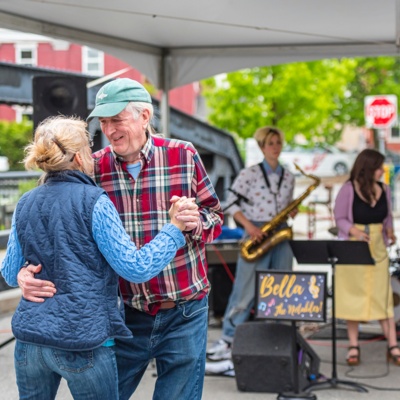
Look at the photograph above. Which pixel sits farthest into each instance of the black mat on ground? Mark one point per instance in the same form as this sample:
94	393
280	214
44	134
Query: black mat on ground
325	333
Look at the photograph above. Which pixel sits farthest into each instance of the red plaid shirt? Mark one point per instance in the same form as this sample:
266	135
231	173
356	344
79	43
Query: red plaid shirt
169	167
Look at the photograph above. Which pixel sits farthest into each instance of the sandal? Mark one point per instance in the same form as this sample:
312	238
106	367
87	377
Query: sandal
394	358
355	358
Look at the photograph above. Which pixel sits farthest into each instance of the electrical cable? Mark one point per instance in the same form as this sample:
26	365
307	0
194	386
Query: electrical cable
223	262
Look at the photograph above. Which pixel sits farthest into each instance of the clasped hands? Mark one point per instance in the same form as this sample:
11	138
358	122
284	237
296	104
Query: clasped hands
183	212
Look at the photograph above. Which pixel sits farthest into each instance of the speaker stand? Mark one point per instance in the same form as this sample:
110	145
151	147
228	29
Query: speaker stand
297	395
334	252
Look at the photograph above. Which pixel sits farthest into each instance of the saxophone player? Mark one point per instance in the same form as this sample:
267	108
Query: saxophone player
264	190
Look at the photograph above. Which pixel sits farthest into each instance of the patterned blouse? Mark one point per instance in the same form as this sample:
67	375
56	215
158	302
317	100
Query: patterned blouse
264	202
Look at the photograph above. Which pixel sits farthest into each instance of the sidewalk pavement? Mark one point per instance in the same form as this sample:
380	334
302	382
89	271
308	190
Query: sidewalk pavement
378	377
381	379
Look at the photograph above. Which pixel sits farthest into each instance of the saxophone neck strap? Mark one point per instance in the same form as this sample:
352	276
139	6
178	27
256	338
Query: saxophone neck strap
267	180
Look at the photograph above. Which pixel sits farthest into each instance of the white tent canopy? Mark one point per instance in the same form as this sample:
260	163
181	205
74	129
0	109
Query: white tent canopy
176	42
197	39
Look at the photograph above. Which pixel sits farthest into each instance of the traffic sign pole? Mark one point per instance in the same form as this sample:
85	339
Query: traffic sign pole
381	140
381	114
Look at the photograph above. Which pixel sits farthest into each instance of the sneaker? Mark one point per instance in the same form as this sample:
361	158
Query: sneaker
221	368
220	350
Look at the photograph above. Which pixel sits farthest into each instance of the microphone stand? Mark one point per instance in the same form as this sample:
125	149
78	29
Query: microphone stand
239	198
237	202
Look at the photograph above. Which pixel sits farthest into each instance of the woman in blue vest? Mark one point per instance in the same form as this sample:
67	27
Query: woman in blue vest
70	227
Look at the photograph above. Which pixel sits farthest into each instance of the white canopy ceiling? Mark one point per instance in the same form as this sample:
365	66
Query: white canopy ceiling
180	41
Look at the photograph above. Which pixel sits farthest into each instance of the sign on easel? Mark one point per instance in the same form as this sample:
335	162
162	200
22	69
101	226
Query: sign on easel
291	296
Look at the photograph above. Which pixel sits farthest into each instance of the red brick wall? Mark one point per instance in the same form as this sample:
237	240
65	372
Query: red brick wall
66	60
183	98
7	113
7	52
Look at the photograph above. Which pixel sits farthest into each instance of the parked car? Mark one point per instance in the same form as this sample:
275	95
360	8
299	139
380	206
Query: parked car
4	166
392	157
320	160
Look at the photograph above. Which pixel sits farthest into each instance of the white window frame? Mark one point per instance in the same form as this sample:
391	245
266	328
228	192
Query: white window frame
21	47
21	111
392	139
87	59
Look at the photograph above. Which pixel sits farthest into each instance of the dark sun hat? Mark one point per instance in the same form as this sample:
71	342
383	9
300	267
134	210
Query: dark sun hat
114	96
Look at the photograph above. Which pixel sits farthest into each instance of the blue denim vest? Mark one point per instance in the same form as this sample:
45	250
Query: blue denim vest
54	227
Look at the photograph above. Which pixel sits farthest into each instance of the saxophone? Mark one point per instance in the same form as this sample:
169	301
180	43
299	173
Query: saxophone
252	250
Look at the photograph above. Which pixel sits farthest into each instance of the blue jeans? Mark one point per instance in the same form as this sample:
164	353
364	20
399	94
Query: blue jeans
177	339
241	299
91	375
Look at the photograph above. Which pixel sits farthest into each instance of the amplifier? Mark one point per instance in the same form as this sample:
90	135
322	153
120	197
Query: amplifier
218	254
263	358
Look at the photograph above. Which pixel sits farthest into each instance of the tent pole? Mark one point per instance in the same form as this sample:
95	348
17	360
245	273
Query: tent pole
164	105
397	24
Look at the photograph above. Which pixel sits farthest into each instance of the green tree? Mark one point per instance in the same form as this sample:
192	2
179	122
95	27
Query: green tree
371	76
13	139
299	98
316	99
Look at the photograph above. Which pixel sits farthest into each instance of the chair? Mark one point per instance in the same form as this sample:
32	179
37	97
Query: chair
312	213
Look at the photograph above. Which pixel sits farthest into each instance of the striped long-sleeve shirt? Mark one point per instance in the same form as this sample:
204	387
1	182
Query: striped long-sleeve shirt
168	167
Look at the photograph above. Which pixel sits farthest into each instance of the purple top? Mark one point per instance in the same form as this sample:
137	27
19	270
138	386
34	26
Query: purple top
343	211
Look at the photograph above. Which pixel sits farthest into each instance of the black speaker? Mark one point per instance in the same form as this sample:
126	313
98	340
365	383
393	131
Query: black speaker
97	141
54	95
221	258
263	357
221	287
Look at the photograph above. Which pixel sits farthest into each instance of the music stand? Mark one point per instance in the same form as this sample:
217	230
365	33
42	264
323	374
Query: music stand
238	200
332	252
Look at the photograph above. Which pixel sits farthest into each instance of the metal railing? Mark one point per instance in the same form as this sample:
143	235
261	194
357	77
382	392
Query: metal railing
11	189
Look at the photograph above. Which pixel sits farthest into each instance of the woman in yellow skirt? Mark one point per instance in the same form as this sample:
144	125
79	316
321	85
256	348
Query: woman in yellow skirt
363	292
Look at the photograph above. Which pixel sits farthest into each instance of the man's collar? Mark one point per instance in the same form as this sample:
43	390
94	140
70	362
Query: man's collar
148	148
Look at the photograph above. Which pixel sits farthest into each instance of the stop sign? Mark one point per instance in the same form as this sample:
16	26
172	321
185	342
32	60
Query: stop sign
380	111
